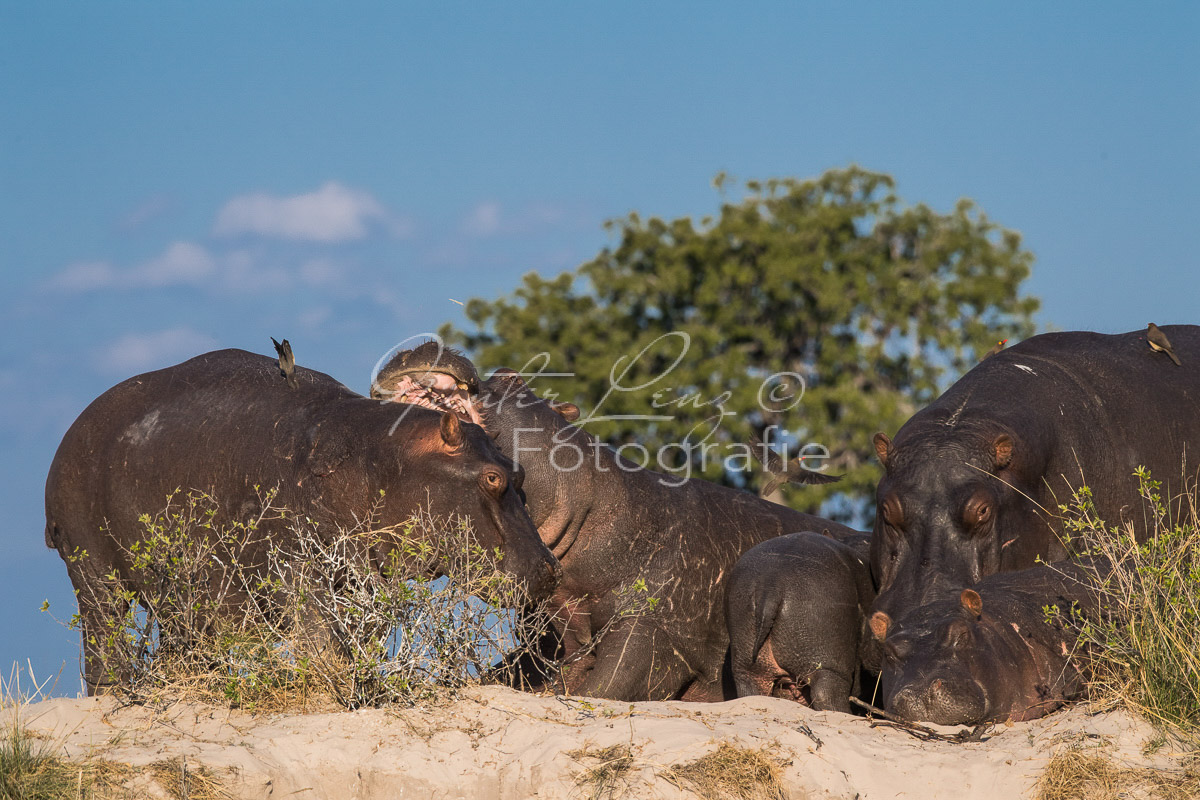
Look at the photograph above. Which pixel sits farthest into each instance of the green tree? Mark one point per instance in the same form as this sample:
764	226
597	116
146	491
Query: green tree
830	290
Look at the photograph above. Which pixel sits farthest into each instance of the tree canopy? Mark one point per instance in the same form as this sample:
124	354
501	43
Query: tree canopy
823	310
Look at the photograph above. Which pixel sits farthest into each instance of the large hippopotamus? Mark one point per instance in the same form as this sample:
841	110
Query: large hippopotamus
973	483
611	523
796	610
988	653
226	423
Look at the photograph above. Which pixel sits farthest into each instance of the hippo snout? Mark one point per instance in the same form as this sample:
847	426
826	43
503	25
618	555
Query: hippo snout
942	701
543	579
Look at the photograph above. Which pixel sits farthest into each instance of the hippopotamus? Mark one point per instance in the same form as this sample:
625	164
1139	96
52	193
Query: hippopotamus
611	523
227	424
989	653
796	610
973	483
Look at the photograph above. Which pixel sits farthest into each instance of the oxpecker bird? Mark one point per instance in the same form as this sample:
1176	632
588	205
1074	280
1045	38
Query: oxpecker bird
1159	342
287	362
779	473
996	348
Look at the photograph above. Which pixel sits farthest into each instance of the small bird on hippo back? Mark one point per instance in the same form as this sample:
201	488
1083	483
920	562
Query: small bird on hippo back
996	348
1159	342
287	362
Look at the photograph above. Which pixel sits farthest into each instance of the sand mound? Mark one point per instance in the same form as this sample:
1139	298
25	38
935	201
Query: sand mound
498	743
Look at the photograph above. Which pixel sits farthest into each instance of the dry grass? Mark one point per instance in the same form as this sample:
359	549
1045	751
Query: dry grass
32	766
187	781
609	778
731	773
1076	774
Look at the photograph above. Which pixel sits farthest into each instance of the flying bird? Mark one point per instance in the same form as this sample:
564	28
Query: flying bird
779	473
287	362
1159	342
996	348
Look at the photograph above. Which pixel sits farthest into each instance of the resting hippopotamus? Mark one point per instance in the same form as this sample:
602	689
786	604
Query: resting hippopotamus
973	483
226	423
988	653
611	523
796	610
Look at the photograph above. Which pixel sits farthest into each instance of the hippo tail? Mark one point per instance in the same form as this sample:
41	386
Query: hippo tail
764	622
50	538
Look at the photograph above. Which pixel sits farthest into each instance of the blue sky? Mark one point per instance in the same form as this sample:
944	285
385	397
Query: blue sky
176	178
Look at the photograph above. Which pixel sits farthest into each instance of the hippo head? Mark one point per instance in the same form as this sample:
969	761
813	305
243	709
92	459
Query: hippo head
951	663
950	510
450	455
430	375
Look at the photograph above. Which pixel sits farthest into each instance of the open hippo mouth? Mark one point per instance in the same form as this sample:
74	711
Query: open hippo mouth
417	393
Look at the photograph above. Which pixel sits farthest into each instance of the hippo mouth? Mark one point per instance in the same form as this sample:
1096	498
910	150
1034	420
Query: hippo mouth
942	701
416	394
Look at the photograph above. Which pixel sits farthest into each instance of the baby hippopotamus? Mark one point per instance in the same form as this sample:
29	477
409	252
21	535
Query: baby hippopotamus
990	653
796	607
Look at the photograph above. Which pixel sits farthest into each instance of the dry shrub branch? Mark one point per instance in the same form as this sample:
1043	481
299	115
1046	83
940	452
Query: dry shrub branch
363	616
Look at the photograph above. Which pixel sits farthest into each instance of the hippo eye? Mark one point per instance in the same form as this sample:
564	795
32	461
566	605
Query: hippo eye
494	482
893	513
958	634
895	651
978	514
979	510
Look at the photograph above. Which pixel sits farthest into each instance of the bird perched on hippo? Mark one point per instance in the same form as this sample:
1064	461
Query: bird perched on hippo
973	483
224	423
611	523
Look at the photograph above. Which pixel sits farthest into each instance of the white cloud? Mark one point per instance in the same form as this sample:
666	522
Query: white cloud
321	272
484	220
312	319
150	208
85	276
489	219
243	271
180	263
333	213
134	353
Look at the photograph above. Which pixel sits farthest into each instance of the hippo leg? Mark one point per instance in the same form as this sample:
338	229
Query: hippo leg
830	690
100	675
525	669
635	661
761	676
707	691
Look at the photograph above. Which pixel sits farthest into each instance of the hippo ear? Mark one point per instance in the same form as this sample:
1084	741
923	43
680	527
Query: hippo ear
452	432
1002	447
883	447
569	411
879	624
971	602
